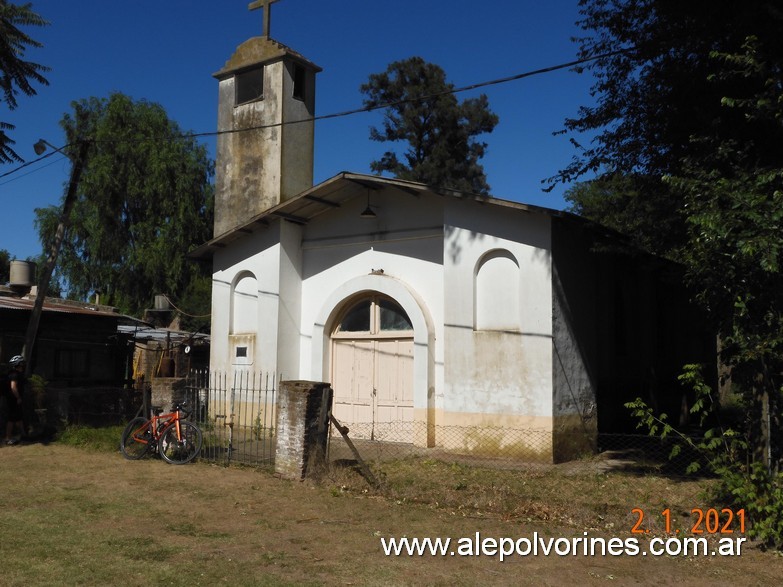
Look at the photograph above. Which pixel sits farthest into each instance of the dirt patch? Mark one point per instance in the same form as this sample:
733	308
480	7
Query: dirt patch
71	516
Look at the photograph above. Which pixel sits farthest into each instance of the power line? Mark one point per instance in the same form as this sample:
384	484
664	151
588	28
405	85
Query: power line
418	98
32	170
344	113
182	311
28	163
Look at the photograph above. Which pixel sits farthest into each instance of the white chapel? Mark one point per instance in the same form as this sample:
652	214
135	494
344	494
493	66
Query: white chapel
440	318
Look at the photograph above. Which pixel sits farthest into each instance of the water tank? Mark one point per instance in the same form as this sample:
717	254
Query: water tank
22	274
162	303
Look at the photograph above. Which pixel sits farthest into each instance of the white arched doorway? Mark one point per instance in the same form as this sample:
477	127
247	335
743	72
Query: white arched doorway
372	368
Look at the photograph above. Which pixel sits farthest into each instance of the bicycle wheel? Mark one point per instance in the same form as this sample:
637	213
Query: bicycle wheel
184	449
136	439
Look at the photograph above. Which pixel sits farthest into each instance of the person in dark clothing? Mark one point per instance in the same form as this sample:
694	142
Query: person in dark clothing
15	393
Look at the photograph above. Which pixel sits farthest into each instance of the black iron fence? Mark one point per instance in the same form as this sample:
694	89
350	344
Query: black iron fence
236	414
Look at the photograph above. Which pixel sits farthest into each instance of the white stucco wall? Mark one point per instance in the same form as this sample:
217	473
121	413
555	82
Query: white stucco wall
502	376
424	253
290	301
470	378
259	255
398	254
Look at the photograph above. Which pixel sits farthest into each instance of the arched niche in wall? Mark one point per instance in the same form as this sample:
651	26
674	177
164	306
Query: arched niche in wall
496	292
244	304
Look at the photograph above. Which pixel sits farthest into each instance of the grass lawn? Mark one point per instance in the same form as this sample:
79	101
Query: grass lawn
78	516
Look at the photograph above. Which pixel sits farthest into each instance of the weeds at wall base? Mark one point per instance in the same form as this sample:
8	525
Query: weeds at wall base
742	483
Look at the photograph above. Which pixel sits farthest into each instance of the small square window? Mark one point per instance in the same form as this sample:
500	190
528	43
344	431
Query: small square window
249	85
242	348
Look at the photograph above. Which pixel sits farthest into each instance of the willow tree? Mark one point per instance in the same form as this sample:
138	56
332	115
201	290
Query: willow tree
144	199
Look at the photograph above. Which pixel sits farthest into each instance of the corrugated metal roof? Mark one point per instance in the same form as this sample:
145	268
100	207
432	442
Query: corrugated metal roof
66	307
149	333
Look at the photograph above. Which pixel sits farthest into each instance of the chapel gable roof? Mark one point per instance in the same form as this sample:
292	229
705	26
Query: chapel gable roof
333	193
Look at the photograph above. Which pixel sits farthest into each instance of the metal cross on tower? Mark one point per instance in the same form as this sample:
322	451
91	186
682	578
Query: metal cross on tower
267	6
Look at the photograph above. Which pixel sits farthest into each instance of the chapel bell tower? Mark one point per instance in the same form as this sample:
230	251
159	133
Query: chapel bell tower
264	150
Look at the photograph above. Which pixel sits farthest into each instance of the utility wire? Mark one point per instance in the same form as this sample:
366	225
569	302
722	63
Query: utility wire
367	108
372	107
32	170
182	311
28	163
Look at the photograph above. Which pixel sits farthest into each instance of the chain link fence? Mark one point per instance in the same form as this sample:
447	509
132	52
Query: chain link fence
237	416
628	453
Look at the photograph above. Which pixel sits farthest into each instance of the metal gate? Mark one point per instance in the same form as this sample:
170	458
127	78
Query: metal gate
236	413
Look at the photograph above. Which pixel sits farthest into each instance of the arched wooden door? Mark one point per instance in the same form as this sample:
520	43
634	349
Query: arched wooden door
372	370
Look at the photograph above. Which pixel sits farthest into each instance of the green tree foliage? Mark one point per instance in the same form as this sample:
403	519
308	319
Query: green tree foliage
732	186
440	132
16	74
694	106
197	297
620	201
664	89
691	130
144	201
746	484
665	86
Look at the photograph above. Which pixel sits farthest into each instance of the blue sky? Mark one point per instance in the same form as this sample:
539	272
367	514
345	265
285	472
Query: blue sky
166	51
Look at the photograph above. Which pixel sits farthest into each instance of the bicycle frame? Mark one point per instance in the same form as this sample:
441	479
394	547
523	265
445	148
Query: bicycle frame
162	421
176	439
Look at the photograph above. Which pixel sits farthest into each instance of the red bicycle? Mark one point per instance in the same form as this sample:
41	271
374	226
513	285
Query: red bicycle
177	440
